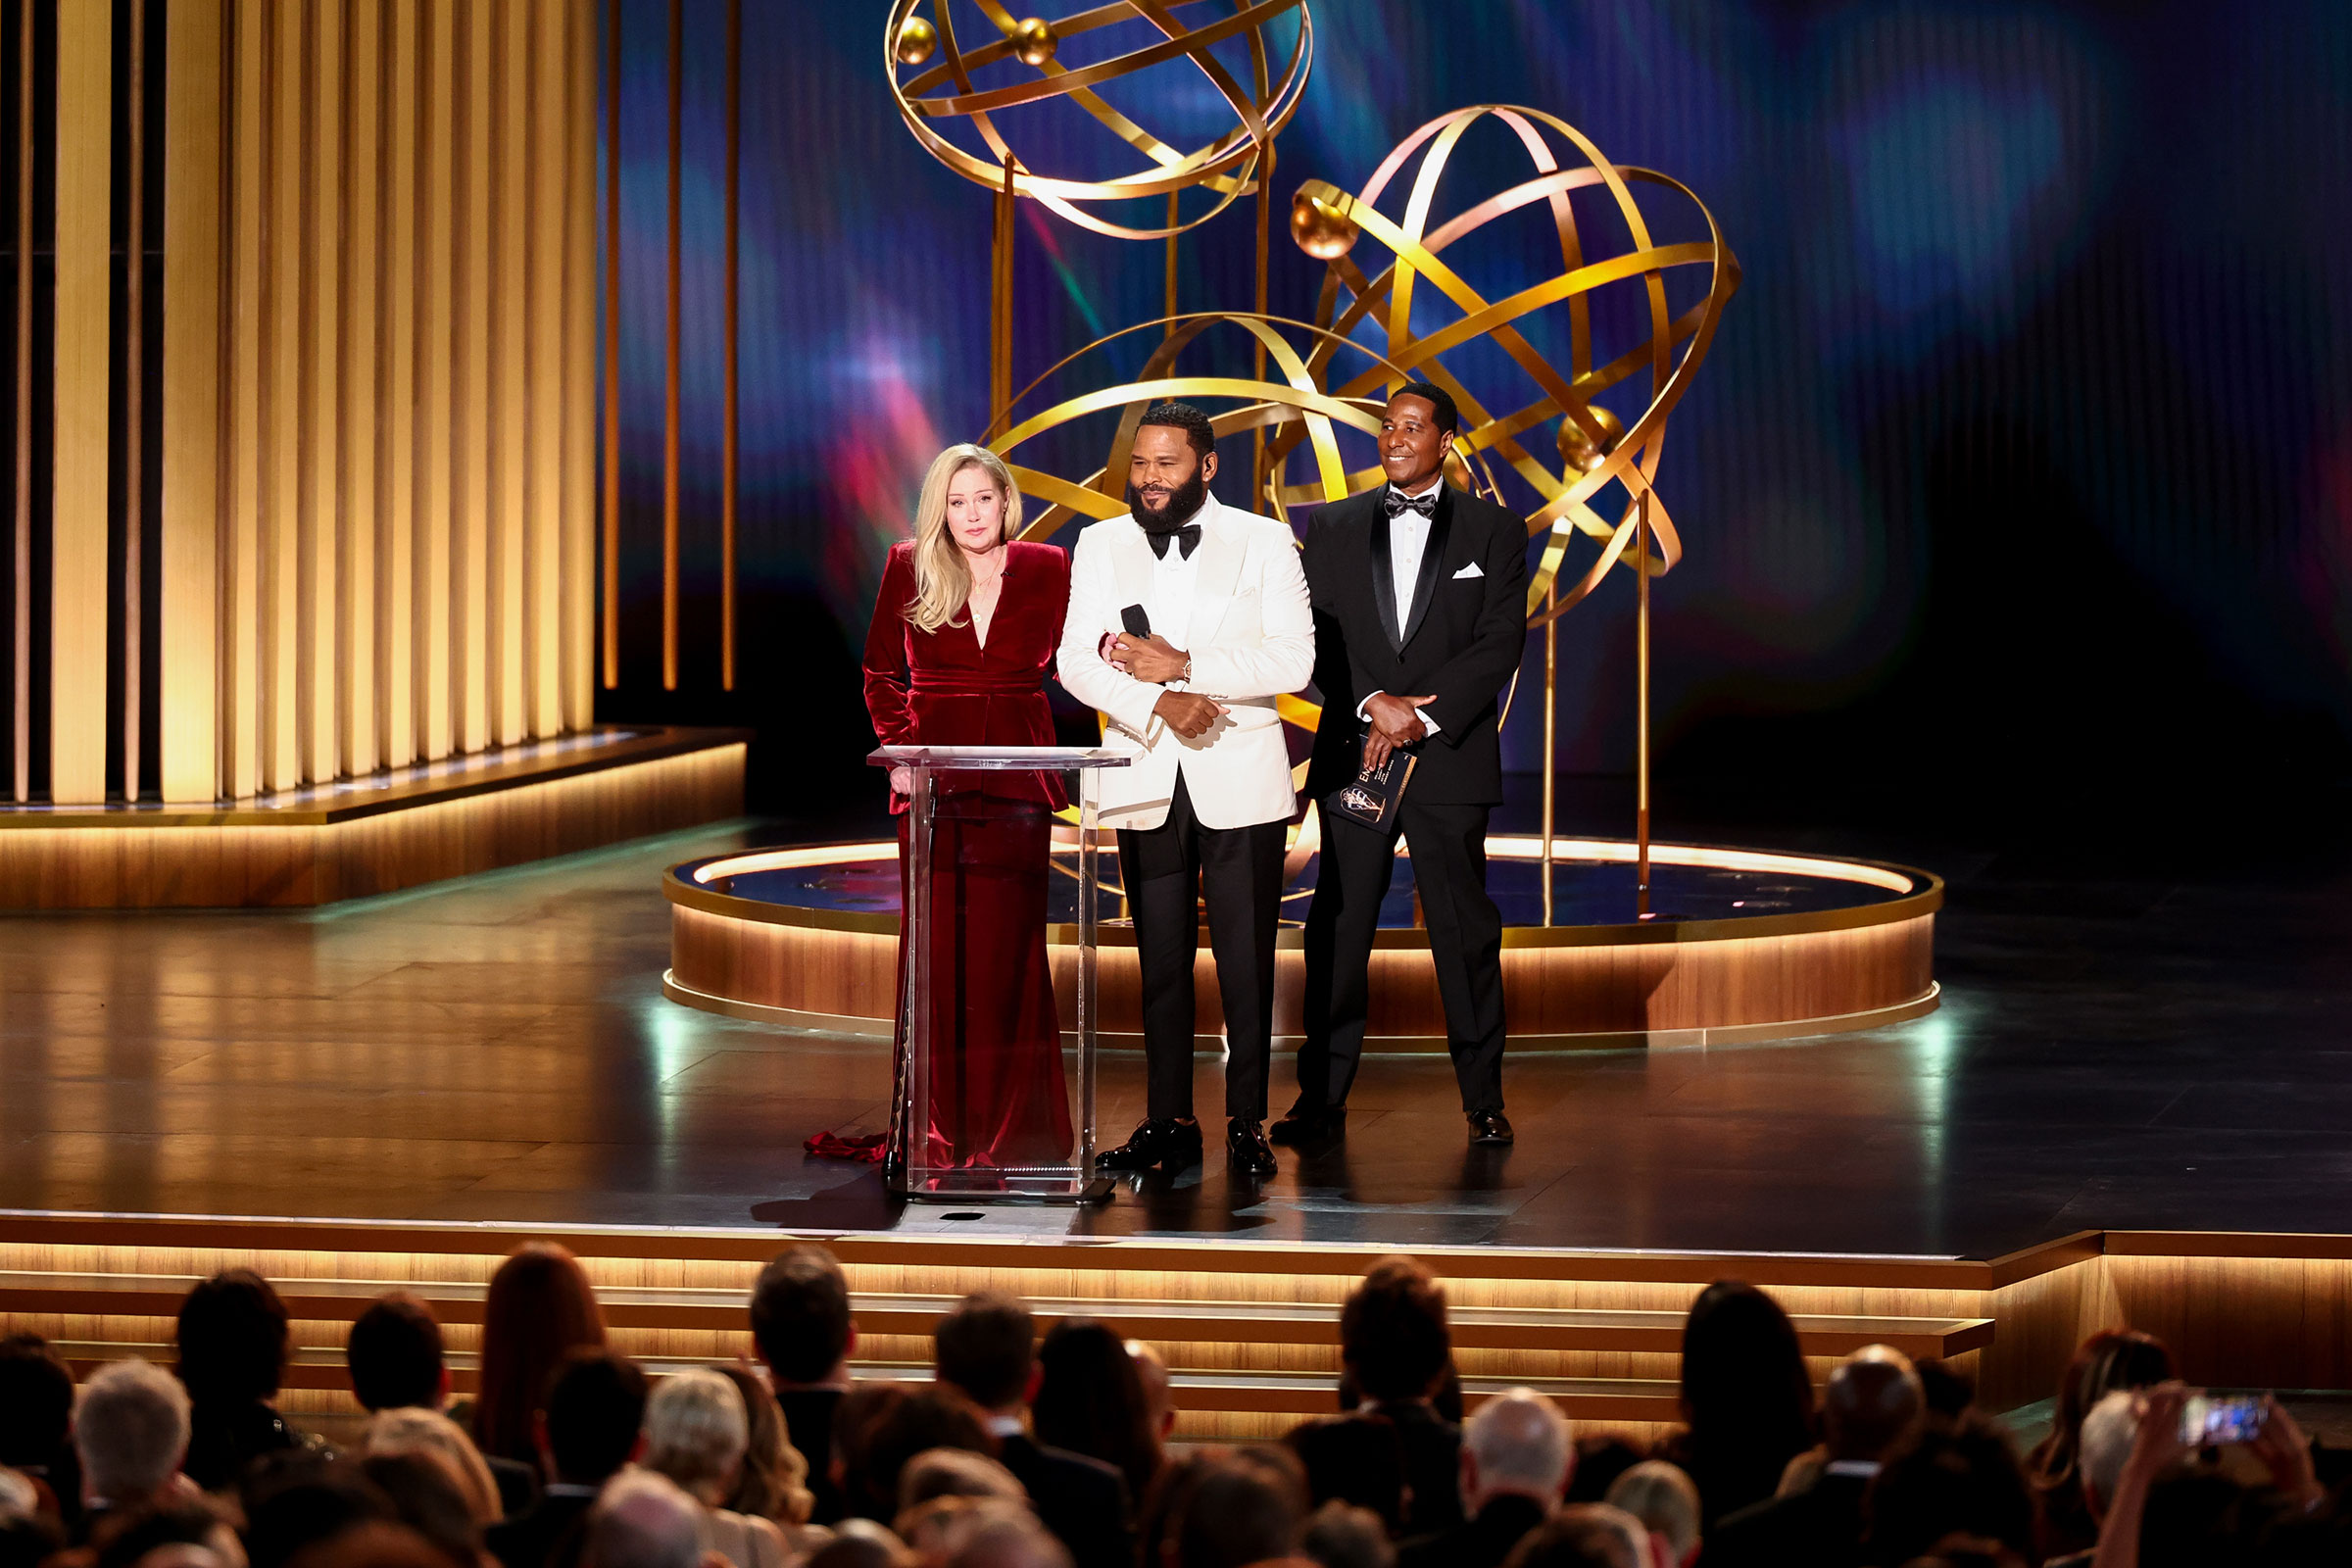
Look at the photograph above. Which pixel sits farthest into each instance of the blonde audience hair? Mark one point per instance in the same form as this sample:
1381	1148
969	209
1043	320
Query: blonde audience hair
1664	1499
943	578
412	1429
774	1480
696	1432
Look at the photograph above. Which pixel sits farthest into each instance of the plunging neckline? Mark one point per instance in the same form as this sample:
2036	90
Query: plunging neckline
978	629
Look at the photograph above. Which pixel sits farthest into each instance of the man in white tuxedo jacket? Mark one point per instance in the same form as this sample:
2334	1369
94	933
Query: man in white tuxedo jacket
1202	812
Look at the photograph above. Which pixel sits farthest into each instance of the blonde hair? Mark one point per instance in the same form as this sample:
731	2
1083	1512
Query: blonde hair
696	1431
412	1429
943	578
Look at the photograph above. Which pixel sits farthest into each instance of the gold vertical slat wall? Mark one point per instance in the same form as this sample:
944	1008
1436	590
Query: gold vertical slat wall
377	458
78	597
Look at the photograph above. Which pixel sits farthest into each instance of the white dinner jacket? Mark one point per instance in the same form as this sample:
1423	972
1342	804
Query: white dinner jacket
1252	638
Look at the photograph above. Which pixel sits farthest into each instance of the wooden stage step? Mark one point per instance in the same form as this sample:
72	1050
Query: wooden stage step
456	1301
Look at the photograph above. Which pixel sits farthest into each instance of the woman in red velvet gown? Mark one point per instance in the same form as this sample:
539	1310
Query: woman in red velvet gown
961	642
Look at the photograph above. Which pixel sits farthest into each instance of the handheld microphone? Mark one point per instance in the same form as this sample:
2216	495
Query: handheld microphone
1137	624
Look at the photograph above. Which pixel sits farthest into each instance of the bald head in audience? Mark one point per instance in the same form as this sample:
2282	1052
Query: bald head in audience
643	1520
1872	1403
1515	1442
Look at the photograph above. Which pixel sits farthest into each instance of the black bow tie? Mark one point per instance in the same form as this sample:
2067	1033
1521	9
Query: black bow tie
1397	501
1190	533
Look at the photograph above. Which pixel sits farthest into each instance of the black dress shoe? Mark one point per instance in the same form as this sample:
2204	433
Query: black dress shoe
1304	1126
1490	1128
1163	1141
1247	1150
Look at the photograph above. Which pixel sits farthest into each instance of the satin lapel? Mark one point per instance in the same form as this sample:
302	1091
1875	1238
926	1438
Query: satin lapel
1433	563
1384	578
1220	571
1130	566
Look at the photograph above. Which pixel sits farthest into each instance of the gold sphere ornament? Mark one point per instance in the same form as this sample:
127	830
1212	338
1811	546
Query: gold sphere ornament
917	41
1034	41
1594	222
984	86
1322	229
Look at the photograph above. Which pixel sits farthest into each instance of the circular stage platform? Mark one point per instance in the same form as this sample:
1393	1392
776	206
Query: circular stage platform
1743	945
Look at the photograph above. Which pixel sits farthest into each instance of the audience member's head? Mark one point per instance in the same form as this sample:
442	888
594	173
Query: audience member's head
130	1431
1090	1400
432	1499
540	1308
296	1502
1949	1394
1393	1334
1665	1501
1871	1404
1160	1395
879	1437
1226	1510
991	1533
394	1352
643	1520
862	1544
1339	1535
2109	1361
1599	1461
695	1433
956	1473
1962	1479
591	1419
183	1532
987	1347
412	1429
2105	1443
1745	1394
1516	1444
36	1404
232	1337
773	1481
1584	1535
801	1320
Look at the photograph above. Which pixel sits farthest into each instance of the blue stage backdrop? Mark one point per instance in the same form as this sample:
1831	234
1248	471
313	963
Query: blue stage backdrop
2019	478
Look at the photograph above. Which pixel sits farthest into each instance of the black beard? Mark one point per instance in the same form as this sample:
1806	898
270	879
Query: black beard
1187	499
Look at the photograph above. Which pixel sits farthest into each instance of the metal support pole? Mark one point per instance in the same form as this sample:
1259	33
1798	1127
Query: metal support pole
1551	761
1642	706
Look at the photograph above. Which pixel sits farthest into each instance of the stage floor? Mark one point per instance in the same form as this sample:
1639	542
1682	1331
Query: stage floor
2109	1053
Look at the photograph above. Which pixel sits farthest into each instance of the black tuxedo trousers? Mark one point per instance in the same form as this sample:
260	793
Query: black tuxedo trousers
1448	845
1170	872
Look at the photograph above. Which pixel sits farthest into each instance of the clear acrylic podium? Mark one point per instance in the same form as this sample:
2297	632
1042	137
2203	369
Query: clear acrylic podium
909	1169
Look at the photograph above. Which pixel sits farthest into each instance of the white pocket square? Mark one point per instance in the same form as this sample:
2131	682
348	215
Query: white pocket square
1471	570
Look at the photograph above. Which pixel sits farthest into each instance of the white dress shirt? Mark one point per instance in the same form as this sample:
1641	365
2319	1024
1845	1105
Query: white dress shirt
1408	541
1173	576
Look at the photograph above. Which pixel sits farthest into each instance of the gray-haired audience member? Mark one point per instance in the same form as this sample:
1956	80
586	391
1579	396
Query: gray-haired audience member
1584	1534
2108	1431
1873	1404
130	1432
1666	1501
1517	1458
643	1520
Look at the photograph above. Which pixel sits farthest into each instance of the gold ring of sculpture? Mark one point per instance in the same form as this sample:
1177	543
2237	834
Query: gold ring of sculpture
1613	452
1229	165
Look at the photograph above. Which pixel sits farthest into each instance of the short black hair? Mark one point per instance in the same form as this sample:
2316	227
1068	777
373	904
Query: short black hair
232	1338
394	1352
1439	401
986	1348
1183	416
595	1406
800	1314
36	1402
1393	1331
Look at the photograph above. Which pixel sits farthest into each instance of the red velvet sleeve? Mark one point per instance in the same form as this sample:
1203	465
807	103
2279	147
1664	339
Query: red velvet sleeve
1059	605
886	652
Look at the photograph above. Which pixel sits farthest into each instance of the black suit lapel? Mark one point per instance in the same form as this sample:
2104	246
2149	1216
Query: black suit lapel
1383	577
1433	565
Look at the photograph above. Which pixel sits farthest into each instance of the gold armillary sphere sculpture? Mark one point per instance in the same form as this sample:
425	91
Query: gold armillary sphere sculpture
1595	446
1592	446
935	74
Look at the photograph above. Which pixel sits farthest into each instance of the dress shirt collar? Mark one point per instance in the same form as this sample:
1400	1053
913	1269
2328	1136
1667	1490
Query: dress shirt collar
1003	1426
1861	1468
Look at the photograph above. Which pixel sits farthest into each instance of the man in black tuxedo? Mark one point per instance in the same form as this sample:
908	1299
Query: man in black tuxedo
804	1333
1420	604
986	1349
590	1427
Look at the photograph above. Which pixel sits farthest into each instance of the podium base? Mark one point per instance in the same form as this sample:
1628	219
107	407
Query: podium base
967	1189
